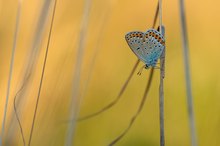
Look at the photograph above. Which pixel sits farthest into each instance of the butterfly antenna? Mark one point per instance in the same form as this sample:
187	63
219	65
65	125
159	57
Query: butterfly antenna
116	99
138	111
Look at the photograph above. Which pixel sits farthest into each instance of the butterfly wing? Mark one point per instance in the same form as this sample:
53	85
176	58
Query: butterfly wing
148	46
135	41
155	44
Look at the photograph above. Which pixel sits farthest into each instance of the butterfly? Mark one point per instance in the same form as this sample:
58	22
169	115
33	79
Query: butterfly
147	46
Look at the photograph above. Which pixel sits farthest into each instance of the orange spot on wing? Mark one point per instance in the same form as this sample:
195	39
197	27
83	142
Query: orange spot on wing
162	42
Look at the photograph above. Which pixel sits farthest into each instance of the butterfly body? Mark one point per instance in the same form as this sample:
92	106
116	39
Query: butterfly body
147	46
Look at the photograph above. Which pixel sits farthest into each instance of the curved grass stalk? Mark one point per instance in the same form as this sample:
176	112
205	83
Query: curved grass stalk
16	113
116	99
111	104
31	60
133	119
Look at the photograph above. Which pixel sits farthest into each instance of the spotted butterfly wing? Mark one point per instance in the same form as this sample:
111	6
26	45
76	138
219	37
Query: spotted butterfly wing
148	46
156	44
135	41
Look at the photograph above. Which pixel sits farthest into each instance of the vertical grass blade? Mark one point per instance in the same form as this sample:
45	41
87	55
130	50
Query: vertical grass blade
161	92
185	45
75	97
156	16
104	21
42	74
17	23
30	63
162	75
160	14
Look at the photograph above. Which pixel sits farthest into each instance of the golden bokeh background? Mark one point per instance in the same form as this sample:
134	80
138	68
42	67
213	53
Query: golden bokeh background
109	21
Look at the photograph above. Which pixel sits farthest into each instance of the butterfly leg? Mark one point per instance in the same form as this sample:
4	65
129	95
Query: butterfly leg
156	67
141	69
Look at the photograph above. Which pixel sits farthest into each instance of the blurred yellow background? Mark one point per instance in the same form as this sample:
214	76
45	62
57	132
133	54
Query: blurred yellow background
113	63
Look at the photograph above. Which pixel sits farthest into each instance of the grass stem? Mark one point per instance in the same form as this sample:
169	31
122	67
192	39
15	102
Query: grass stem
17	23
185	45
75	97
161	93
42	74
133	119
